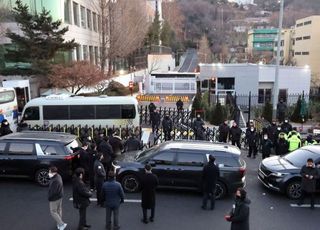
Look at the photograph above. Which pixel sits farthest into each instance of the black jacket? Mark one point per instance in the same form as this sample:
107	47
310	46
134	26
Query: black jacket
155	118
5	130
167	124
210	175
84	160
286	127
273	132
149	183
307	184
223	131
239	216
151	107
266	146
106	149
198	124
179	104
116	144
235	133
81	193
55	188
99	171
282	146
132	144
252	137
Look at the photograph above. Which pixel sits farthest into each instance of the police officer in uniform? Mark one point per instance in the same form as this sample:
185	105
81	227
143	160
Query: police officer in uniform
99	176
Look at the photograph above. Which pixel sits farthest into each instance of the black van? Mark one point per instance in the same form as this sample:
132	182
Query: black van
31	153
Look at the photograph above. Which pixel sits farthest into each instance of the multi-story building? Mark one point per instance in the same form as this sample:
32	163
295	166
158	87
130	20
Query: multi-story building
243	2
286	46
261	40
82	18
307	45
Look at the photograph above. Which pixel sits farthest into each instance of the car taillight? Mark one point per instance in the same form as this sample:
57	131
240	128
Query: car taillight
242	171
69	157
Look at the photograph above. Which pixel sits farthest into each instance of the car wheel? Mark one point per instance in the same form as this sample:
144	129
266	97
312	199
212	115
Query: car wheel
130	183
42	177
294	190
221	190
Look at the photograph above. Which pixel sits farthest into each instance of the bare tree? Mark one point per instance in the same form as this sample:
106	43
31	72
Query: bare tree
4	16
76	76
173	15
124	27
204	51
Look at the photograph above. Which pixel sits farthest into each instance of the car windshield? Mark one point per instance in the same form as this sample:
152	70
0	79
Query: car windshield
73	145
299	157
141	156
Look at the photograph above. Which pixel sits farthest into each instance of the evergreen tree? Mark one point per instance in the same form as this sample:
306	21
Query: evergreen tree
296	115
167	35
196	104
153	36
218	114
267	111
41	39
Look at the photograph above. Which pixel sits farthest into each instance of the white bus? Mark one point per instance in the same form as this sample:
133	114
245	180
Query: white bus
8	106
78	110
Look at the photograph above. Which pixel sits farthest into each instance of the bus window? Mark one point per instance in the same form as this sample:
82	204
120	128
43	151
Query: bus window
108	112
31	113
6	96
56	112
128	112
81	112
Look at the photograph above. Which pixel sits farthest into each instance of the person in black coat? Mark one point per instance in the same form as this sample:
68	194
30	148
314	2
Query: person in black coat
155	120
210	175
106	149
99	177
5	128
282	145
179	105
167	126
266	146
286	127
84	161
92	157
252	140
115	142
273	132
152	107
235	135
149	183
81	195
239	215
223	131
198	127
132	144
309	174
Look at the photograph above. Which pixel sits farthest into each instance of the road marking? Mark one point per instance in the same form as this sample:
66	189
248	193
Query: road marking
304	206
126	200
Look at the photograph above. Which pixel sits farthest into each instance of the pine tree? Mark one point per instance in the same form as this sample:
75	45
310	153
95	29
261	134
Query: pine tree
218	114
41	39
153	36
196	104
267	111
167	35
204	52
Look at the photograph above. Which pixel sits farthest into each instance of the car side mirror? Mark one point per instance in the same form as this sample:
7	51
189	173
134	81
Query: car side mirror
152	163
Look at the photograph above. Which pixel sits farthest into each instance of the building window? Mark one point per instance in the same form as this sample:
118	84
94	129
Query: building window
305	53
281	53
300	24
67	5
306	37
282	43
78	53
89	22
226	83
83	16
297	53
96	55
264	95
94	21
91	54
99	23
299	38
85	52
307	22
76	13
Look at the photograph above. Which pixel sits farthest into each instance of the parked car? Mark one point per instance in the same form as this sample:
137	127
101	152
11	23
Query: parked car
179	164
282	174
31	153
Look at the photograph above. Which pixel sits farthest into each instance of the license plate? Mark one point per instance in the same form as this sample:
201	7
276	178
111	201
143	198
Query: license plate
261	175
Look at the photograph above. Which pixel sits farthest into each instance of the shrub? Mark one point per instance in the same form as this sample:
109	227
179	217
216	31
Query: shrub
267	111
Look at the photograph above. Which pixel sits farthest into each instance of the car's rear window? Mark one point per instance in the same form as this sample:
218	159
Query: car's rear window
73	145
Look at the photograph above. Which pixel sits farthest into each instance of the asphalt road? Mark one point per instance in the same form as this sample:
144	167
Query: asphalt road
23	205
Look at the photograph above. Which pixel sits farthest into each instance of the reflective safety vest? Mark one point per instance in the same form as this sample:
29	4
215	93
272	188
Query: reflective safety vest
294	143
293	132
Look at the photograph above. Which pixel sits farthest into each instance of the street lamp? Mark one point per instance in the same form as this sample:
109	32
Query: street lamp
276	79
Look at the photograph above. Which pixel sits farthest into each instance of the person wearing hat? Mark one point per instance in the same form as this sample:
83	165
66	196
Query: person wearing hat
5	128
99	176
210	175
239	215
282	145
149	183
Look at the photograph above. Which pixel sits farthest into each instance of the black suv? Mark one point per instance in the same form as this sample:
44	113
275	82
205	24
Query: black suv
31	153
282	174
179	164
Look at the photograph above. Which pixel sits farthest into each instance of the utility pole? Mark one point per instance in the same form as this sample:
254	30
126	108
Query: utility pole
276	79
